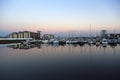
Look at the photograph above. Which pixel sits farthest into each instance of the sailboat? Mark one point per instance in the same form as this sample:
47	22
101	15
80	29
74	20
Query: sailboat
45	41
74	40
97	41
90	39
104	42
81	41
56	42
113	40
51	41
118	41
68	41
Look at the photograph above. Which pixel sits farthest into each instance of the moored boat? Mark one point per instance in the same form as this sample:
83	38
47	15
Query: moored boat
68	42
62	42
118	40
81	42
55	42
104	42
74	42
112	41
45	41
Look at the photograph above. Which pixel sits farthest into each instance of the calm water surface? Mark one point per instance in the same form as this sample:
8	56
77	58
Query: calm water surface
54	62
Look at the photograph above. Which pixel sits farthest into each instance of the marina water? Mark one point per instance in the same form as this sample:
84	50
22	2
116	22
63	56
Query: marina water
59	62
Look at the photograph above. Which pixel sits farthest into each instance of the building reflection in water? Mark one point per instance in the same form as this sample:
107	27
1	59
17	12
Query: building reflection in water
24	46
29	46
68	48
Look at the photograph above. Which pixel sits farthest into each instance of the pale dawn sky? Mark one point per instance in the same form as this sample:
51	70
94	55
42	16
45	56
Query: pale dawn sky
57	16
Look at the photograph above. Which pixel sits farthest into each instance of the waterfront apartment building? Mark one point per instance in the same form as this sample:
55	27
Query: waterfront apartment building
21	35
48	36
13	35
26	34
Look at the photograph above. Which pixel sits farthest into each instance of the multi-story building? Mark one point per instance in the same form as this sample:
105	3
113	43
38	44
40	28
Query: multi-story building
20	35
103	33
39	34
48	36
25	34
13	35
10	36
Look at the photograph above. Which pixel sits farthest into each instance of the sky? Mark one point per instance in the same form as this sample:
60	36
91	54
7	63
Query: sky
59	16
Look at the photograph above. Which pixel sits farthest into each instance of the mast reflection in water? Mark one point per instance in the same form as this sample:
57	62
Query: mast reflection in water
59	62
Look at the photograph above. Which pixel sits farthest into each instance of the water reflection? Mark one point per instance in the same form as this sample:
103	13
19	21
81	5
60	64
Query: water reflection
30	46
86	62
25	47
71	48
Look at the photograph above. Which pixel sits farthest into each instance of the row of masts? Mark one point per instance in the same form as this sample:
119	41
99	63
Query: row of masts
81	40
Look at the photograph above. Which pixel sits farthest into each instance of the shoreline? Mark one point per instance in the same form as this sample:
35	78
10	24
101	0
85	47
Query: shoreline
10	41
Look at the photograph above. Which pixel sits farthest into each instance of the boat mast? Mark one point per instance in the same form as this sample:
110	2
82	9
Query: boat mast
114	31
90	31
